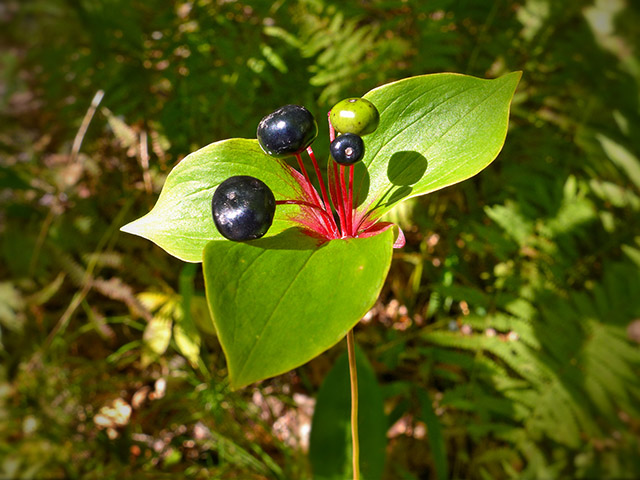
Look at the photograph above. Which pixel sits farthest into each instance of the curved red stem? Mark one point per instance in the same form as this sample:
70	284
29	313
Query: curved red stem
325	195
352	230
344	201
314	193
305	204
338	200
306	177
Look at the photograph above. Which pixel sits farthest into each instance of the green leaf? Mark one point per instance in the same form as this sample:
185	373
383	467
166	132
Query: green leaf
330	442
11	305
435	130
201	316
278	302
187	340
157	333
181	221
185	333
622	158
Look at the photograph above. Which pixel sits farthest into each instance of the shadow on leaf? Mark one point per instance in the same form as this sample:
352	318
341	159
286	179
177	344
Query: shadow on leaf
290	239
406	168
362	183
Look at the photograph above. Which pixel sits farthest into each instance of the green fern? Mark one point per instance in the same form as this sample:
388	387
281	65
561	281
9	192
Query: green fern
347	51
564	374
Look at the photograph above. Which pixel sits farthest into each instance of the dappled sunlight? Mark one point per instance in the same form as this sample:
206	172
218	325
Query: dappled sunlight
505	340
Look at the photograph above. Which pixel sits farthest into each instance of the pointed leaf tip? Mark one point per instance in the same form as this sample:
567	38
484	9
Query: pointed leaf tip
435	130
181	221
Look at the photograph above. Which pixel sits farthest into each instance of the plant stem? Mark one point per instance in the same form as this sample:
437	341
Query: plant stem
352	230
353	373
332	131
312	189
340	189
338	202
325	196
321	210
344	201
306	177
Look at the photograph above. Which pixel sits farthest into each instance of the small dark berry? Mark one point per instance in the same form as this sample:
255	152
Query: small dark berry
287	131
347	149
243	208
355	115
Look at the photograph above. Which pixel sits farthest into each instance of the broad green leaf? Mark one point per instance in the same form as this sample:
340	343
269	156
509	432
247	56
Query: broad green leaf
435	130
181	221
278	302
330	443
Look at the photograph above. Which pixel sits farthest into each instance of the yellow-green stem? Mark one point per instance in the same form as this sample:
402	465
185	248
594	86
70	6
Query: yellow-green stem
351	348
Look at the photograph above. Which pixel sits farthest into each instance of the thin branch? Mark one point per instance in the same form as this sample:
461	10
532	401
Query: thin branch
144	161
82	131
353	373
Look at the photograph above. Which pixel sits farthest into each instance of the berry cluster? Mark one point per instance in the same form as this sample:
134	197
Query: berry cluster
243	207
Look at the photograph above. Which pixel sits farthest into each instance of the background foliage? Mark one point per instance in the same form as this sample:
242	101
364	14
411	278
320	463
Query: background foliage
506	338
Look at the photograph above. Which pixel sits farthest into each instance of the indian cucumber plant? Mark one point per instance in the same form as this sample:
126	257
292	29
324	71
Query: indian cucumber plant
289	268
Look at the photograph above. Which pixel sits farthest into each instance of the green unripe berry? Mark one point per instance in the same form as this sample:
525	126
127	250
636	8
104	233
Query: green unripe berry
355	115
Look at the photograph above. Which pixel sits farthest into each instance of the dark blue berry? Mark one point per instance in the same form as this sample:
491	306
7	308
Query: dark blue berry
347	149
243	208
287	131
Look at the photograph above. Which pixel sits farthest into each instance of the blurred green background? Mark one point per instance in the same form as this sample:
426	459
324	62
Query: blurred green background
506	340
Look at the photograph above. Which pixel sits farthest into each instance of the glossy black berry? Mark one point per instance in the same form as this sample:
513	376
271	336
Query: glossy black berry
243	208
347	149
355	115
287	131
